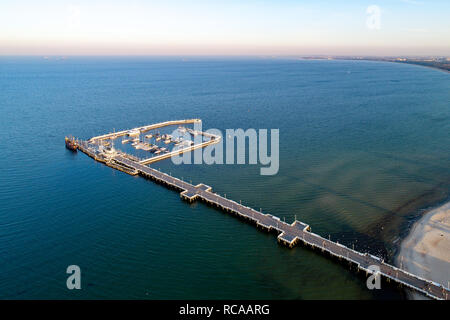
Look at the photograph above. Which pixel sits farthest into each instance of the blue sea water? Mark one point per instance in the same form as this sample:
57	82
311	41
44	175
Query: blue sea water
364	149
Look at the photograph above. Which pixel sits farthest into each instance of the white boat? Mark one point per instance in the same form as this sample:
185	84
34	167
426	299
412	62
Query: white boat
193	132
141	145
134	132
187	143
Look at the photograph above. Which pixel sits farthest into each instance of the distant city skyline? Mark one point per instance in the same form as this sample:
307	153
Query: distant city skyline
395	27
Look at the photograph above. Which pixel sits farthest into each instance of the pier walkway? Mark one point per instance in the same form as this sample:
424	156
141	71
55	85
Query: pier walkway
290	234
114	135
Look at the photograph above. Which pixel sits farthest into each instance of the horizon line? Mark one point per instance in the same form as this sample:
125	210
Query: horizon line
223	55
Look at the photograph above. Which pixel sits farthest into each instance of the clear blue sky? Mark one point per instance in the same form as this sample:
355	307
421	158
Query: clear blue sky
394	27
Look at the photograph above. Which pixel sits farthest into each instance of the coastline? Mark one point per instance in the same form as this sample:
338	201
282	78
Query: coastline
426	249
393	61
417	64
435	64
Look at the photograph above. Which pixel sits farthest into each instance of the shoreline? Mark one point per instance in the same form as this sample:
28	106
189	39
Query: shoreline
425	251
411	62
401	62
416	64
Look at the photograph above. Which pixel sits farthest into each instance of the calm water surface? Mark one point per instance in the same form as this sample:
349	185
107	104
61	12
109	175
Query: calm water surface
364	150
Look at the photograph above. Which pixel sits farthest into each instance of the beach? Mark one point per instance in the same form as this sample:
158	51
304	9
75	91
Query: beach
426	250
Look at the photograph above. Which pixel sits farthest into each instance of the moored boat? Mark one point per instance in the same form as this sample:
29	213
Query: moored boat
71	144
134	133
153	149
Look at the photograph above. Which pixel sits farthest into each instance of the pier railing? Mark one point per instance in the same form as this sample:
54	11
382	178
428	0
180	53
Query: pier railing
288	234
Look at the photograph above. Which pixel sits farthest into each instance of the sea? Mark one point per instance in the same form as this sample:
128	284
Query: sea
363	154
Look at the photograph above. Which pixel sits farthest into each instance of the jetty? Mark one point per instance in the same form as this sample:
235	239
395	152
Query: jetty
289	234
114	135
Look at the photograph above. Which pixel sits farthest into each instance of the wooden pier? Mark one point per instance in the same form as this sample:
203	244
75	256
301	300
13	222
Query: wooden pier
143	129
288	234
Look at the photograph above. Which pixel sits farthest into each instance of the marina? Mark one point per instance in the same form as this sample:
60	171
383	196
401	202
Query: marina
333	117
290	235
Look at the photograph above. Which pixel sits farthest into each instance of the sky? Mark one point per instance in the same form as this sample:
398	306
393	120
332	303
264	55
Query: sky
230	27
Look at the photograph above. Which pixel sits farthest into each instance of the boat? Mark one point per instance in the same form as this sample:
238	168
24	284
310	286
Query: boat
187	143
146	146
157	152
71	144
158	138
134	132
193	132
149	136
139	145
125	141
167	141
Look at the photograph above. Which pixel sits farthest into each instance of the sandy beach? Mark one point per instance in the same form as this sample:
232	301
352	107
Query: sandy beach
426	250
